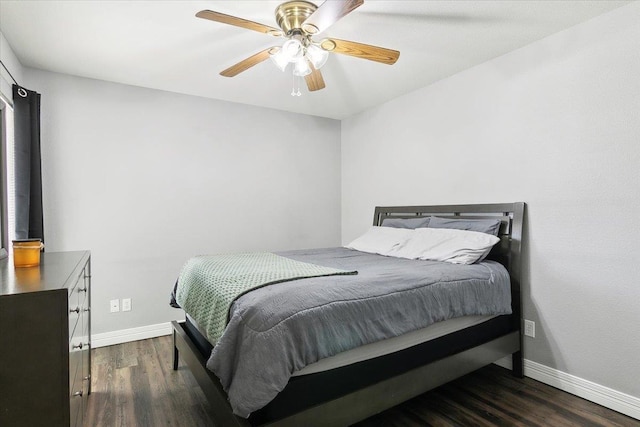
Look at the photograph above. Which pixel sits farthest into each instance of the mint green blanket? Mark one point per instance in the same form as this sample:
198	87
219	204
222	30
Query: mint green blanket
209	284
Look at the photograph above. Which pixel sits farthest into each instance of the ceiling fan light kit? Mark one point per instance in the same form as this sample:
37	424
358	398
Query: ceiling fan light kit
298	22
299	51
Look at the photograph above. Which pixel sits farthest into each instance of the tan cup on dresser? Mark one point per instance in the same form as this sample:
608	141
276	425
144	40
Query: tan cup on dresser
26	252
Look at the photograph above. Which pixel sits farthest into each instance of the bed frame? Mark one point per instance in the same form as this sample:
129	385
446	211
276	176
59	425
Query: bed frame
345	408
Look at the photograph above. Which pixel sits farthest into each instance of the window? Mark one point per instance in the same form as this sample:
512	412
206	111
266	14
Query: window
7	181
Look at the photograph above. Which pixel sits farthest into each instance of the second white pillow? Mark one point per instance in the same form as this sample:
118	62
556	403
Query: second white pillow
443	244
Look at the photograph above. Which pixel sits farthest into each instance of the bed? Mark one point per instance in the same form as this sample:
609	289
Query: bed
353	387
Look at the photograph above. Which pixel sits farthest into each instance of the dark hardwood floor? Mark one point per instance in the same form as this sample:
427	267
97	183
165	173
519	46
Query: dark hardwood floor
134	385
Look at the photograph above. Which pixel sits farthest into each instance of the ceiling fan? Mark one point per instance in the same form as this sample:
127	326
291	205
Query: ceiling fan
299	22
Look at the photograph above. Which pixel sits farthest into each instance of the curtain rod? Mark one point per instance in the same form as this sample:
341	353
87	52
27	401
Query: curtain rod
21	91
10	75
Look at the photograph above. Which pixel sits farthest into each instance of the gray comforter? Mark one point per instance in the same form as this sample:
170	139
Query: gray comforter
279	329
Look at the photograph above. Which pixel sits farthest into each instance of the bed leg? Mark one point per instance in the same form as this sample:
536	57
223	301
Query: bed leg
175	352
517	362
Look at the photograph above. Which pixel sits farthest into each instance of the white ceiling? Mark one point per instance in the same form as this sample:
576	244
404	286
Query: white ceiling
162	45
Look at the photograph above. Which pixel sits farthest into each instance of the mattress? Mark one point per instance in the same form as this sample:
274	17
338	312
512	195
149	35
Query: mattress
376	349
391	345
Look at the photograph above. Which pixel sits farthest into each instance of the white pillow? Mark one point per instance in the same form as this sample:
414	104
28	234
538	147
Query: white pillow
445	244
381	240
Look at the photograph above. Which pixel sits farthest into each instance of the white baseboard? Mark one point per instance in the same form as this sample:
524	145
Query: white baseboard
128	335
605	396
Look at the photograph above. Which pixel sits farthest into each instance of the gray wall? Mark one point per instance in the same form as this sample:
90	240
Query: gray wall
10	60
555	124
147	179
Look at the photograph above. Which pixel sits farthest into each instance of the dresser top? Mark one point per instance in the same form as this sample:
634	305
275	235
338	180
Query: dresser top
57	270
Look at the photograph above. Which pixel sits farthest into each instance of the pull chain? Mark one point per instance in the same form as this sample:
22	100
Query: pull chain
293	86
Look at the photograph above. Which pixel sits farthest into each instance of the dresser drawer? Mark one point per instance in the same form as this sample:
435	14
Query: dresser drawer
79	279
75	358
75	369
78	293
76	397
76	306
78	289
85	375
74	317
82	289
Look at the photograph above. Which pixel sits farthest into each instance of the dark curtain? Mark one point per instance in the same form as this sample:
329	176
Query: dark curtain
28	179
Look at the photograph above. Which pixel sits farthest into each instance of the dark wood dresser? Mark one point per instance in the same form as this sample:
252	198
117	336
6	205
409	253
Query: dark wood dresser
45	340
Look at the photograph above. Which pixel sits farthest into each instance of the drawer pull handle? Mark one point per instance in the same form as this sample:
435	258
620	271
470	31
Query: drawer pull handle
82	290
87	378
73	347
75	310
86	309
77	393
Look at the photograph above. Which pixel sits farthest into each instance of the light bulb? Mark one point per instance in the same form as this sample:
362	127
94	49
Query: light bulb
301	67
317	56
292	50
279	59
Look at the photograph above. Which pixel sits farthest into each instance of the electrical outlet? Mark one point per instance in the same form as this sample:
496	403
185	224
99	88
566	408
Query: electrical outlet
530	328
114	305
126	304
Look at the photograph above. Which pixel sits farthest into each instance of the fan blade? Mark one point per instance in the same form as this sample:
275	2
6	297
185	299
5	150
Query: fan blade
244	65
361	50
328	14
239	22
314	80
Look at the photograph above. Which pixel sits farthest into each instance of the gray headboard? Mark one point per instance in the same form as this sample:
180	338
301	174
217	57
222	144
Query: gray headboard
507	252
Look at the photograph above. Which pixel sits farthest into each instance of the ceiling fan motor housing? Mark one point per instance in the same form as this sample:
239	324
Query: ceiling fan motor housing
291	15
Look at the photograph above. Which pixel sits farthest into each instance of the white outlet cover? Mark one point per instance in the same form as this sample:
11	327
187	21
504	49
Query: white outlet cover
126	304
114	306
530	328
